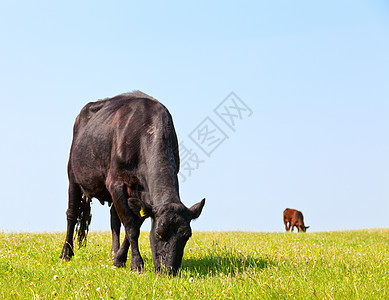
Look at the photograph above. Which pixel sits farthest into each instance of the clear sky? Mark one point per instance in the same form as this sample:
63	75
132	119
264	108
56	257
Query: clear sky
312	76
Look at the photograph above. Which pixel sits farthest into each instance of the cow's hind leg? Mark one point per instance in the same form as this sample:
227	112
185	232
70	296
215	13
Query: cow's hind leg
131	223
75	197
121	256
115	229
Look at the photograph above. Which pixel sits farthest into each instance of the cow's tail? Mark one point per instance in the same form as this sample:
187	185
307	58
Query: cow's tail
83	220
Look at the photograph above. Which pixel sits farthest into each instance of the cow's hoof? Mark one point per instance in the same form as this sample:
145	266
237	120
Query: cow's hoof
138	269
137	264
66	253
113	267
118	264
65	258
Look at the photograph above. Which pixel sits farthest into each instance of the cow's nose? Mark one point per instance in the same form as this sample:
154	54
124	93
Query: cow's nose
172	271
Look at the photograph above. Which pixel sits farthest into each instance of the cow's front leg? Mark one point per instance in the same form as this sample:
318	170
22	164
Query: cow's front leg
131	223
115	229
121	255
286	225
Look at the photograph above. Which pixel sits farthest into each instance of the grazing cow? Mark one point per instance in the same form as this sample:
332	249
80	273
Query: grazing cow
294	218
125	152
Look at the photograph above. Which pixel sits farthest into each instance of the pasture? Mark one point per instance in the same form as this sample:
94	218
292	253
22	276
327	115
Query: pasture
216	265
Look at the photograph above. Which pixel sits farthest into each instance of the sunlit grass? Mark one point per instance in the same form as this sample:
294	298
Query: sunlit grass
235	265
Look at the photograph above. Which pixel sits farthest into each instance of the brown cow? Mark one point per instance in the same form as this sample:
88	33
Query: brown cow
294	218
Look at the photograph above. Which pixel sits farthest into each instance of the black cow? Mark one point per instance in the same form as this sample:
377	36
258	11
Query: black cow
125	152
292	218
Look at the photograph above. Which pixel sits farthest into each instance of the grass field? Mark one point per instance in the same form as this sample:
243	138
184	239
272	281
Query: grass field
216	265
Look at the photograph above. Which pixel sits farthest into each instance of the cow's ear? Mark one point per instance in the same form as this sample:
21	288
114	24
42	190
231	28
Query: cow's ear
306	227
140	208
196	209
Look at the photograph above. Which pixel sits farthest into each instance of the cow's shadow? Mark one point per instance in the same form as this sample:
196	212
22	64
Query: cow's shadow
225	265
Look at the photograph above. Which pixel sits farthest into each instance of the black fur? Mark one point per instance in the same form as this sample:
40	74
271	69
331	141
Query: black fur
125	152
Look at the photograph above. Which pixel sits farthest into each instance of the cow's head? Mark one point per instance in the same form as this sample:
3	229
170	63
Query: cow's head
304	228
170	230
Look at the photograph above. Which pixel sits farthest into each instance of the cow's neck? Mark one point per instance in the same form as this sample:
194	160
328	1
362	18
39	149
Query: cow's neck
163	187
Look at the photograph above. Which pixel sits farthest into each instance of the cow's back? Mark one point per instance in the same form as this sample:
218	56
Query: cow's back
298	216
293	215
288	214
116	128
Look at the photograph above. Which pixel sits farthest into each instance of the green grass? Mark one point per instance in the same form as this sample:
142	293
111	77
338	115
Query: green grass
216	265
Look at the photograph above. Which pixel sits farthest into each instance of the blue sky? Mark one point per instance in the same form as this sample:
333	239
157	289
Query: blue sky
314	74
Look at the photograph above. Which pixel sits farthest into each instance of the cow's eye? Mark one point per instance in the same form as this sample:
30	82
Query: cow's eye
186	235
161	233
